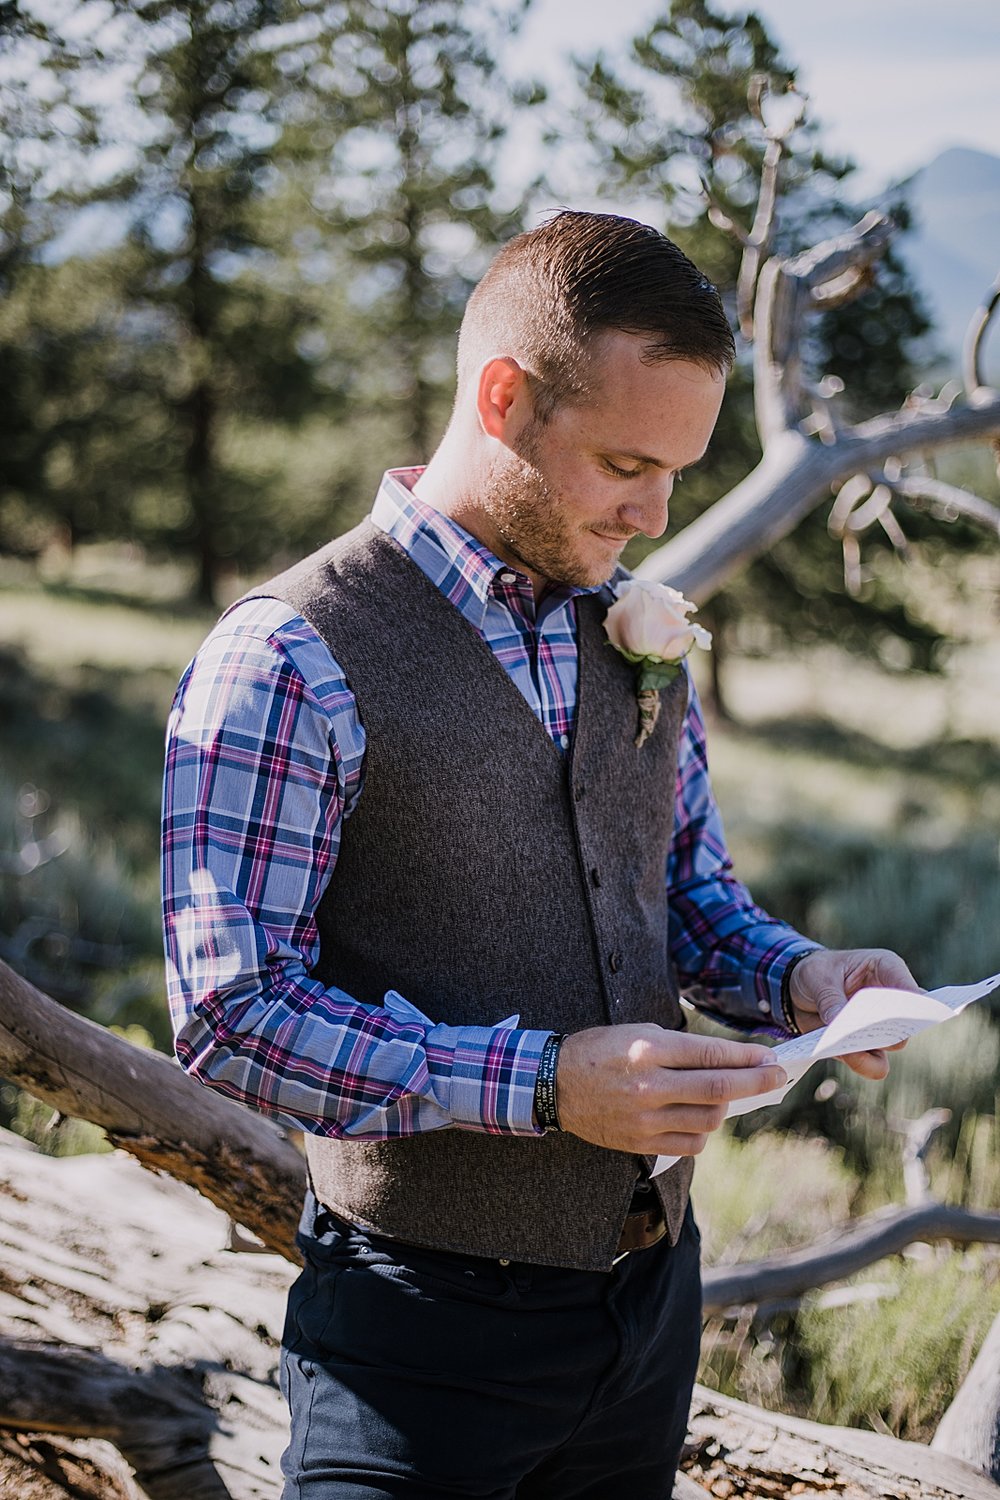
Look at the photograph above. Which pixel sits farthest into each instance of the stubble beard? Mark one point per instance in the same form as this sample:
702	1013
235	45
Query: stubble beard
529	516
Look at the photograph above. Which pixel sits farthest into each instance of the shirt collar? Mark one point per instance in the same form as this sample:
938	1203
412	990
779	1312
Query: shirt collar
465	570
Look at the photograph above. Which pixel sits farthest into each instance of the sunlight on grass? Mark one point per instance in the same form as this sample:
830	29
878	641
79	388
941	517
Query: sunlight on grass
56	630
771	1192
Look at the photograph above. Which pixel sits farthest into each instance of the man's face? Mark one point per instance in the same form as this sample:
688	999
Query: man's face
566	496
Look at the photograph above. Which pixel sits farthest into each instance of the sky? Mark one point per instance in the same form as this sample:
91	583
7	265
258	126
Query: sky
893	83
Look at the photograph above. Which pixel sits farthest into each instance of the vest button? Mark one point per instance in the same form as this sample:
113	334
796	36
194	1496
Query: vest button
615	962
504	1261
578	791
595	876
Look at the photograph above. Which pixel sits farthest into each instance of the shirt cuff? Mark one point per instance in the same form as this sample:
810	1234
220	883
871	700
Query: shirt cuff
490	1080
769	977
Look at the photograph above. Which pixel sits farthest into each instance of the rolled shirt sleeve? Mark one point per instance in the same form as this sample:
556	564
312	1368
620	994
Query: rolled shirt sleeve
264	762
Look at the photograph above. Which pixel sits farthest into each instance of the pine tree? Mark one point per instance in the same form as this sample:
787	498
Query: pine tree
651	151
405	118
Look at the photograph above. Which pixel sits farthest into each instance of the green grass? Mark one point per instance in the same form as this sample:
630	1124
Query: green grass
900	1359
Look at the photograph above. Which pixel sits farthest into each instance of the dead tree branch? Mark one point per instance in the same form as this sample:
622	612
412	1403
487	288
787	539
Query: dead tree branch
123	1319
148	1106
807	452
946	501
870	1239
738	1449
972	371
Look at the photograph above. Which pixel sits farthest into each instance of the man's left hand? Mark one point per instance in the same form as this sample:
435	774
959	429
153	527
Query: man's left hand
823	982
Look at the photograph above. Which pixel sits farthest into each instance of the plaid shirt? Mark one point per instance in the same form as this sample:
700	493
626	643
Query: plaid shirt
265	761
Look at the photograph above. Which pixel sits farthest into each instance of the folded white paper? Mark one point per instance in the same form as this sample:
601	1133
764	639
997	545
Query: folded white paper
871	1018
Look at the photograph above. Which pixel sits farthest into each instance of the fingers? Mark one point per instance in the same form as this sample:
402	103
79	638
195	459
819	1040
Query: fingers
873	1065
642	1088
684	1049
890	970
720	1085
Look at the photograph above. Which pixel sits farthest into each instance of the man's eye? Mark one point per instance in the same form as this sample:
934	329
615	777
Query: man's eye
621	473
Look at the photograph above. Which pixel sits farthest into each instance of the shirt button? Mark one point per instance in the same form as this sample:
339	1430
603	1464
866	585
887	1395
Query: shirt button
564	741
762	1005
508	577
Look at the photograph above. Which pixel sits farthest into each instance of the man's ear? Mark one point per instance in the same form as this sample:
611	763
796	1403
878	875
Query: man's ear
501	398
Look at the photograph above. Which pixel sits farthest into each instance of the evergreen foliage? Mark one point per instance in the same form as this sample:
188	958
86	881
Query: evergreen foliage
673	115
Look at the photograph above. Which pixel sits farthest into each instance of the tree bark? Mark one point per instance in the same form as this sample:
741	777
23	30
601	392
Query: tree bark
147	1105
739	1450
123	1318
794	476
970	1428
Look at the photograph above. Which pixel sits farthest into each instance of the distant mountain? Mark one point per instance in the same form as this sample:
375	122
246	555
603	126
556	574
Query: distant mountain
953	250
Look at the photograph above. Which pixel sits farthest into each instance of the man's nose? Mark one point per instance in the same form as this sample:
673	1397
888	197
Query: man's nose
648	512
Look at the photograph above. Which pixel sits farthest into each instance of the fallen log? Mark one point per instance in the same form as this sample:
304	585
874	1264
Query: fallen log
736	1449
127	1328
152	1109
123	1318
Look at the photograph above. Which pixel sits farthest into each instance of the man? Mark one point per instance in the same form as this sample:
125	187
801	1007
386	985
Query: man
428	901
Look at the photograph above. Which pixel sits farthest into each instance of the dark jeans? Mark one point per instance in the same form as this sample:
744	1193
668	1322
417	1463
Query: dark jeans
422	1374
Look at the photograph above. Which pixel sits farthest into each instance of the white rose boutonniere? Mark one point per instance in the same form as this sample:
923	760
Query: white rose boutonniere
649	625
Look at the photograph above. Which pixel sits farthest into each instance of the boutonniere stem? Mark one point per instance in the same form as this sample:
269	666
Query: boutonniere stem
648	624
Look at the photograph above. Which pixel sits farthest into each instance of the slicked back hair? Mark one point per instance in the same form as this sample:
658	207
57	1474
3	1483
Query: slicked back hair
552	290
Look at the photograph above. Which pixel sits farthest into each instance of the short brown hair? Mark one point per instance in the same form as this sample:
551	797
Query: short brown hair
552	289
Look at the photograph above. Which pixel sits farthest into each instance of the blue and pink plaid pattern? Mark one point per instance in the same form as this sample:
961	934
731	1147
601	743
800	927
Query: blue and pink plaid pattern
265	760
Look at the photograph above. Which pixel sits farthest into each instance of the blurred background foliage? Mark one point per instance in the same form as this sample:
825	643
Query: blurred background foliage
236	237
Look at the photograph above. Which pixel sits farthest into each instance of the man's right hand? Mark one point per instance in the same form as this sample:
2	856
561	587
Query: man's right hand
656	1092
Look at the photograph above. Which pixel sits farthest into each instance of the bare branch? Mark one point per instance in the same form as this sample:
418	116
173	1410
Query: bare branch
921	490
972	372
852	564
895	533
880	1234
825	276
748	1451
850	494
720	216
778	393
795	475
849	254
759	240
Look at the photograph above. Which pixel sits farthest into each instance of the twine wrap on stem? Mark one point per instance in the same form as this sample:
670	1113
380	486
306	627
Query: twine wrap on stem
653	675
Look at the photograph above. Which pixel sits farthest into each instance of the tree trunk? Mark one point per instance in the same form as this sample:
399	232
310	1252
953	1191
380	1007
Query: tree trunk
146	1104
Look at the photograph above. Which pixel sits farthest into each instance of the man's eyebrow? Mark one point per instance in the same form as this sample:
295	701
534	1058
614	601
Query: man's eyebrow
656	463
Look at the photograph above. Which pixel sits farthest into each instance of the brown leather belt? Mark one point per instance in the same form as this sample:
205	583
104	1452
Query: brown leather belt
642	1228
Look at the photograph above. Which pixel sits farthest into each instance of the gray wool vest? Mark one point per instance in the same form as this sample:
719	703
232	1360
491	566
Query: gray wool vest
481	874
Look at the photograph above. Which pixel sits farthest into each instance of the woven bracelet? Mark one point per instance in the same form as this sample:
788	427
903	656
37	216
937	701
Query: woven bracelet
787	1008
545	1084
